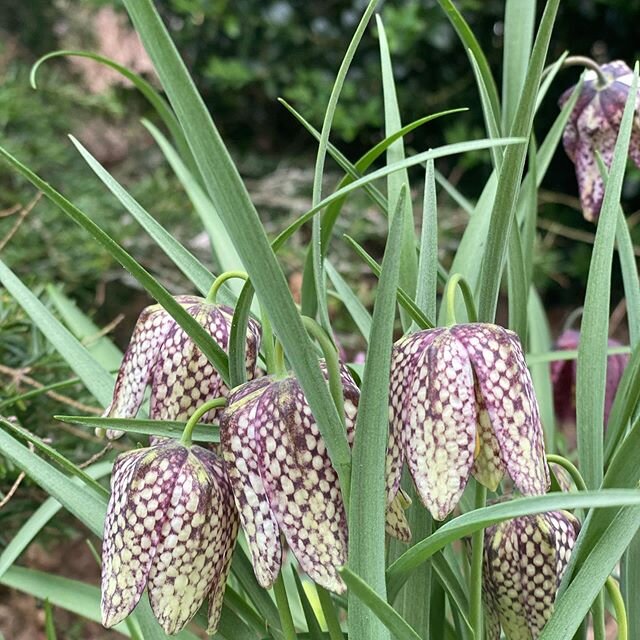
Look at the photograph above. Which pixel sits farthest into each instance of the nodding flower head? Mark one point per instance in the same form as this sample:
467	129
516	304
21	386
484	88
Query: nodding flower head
593	127
524	561
462	402
171	527
563	378
162	355
283	480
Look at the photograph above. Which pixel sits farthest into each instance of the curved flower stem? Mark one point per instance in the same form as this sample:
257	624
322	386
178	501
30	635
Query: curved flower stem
284	611
570	468
457	280
330	614
332	361
220	280
588	63
198	413
475	587
613	589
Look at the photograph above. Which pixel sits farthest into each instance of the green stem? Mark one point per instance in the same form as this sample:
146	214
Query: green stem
571	469
457	281
332	361
267	341
597	614
198	413
282	602
613	589
475	587
588	63
279	366
220	280
330	614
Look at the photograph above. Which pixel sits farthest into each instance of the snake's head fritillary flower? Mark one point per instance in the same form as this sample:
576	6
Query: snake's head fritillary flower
162	355
593	126
171	527
462	402
283	480
524	561
563	378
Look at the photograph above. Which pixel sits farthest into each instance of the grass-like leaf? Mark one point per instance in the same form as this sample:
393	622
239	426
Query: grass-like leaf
403	297
592	359
231	200
99	346
94	376
397	180
196	332
163	428
478	519
192	268
504	204
145	88
471	44
354	306
316	235
382	611
519	22
367	502
224	251
39	519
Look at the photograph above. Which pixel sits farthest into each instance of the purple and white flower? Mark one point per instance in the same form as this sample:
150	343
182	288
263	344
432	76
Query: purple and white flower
162	355
593	126
524	561
171	527
462	403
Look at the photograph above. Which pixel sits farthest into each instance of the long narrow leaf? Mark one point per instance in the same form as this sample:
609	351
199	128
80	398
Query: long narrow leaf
93	375
478	519
504	205
205	342
395	181
426	290
382	611
192	268
592	359
519	22
230	198
367	497
316	244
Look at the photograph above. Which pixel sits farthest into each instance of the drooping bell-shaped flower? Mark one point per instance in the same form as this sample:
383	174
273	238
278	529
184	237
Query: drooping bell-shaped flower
171	527
563	378
462	402
593	126
162	355
524	561
283	480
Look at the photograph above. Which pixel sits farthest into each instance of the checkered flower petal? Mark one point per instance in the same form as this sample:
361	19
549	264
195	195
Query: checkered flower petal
171	526
406	355
141	488
524	561
488	468
239	433
396	524
505	384
163	356
593	127
281	447
441	424
281	475
462	402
